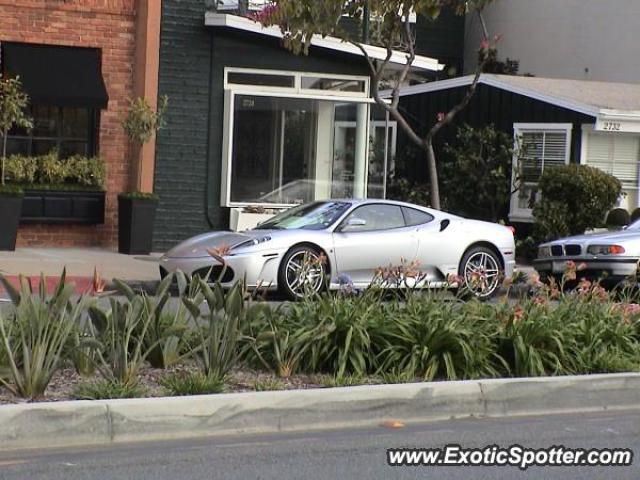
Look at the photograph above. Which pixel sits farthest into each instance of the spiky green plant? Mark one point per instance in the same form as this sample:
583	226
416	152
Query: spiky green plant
193	383
268	384
166	338
119	338
433	337
219	339
35	333
107	389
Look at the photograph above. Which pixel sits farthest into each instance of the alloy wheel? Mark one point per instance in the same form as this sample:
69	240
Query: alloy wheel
481	274
304	273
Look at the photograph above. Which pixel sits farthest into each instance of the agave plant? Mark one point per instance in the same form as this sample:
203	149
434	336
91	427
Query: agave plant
35	334
166	336
119	338
220	341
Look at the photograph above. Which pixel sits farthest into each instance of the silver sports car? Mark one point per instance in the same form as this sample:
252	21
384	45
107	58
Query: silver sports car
298	249
613	255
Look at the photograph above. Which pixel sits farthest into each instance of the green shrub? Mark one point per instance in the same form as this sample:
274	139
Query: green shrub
534	342
482	158
618	217
49	171
573	198
332	381
195	383
36	333
268	384
138	196
435	338
21	170
344	330
89	172
107	389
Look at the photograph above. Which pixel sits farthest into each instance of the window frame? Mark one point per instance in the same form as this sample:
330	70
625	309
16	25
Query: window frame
59	138
589	128
406	221
231	90
341	223
516	213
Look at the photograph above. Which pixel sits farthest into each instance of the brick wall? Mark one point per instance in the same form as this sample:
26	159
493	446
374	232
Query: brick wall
110	26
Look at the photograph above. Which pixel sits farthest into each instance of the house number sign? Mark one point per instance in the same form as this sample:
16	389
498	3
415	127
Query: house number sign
617	126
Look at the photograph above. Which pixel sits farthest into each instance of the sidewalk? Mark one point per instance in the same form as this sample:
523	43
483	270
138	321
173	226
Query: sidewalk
80	264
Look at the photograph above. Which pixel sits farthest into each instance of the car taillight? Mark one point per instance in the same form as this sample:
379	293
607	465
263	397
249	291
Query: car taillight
513	229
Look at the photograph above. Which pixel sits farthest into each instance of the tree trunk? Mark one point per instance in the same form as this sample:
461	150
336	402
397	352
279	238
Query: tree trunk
434	188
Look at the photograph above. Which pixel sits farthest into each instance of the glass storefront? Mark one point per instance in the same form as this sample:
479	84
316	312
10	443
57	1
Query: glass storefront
285	150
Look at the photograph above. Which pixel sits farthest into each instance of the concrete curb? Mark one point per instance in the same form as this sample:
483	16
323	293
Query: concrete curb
83	423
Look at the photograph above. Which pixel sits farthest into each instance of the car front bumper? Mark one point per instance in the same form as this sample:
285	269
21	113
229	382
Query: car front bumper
256	269
591	268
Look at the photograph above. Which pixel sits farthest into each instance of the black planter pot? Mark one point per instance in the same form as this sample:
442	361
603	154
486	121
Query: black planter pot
10	209
136	217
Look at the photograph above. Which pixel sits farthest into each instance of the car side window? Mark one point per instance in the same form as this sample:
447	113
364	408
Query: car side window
373	217
414	217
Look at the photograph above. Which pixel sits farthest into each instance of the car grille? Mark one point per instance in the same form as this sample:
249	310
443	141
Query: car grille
566	250
214	274
572	249
557	250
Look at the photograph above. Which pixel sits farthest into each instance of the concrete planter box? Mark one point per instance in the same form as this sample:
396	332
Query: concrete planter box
51	206
10	207
240	221
136	218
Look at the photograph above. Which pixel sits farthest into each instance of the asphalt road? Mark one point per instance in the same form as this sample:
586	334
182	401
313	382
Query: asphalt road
344	454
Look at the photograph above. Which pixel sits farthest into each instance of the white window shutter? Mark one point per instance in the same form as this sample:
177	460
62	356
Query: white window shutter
615	154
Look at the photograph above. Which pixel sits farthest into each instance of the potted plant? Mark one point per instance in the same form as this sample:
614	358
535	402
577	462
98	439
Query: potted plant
137	209
13	102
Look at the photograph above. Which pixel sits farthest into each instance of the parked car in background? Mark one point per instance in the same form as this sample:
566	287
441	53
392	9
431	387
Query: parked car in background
298	249
610	255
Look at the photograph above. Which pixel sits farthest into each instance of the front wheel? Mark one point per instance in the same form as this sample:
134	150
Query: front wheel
481	271
301	273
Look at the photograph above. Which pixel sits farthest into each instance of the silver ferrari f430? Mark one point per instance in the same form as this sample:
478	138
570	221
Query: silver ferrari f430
316	245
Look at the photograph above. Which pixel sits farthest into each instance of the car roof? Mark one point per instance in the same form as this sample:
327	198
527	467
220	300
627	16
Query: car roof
364	201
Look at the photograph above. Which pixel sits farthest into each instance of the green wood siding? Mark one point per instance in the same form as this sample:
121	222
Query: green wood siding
189	149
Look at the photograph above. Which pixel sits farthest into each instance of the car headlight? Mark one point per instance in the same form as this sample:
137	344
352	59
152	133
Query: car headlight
605	250
544	252
253	242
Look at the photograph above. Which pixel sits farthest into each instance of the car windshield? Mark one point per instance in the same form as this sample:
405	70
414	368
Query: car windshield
634	226
310	216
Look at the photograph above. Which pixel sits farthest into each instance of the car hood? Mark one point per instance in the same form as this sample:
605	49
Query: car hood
606	237
197	246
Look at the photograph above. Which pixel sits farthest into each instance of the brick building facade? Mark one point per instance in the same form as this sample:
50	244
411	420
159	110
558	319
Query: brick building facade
125	34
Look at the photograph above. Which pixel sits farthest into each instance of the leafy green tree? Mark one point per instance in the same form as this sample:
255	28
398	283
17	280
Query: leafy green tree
300	20
13	103
484	155
142	122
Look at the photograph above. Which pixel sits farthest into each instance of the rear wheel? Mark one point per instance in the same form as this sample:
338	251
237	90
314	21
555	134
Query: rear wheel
302	273
481	271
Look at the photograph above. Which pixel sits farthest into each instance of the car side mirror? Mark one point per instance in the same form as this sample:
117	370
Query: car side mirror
444	224
353	223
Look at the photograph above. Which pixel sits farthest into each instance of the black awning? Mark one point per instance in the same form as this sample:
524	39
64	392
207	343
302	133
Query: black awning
53	75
